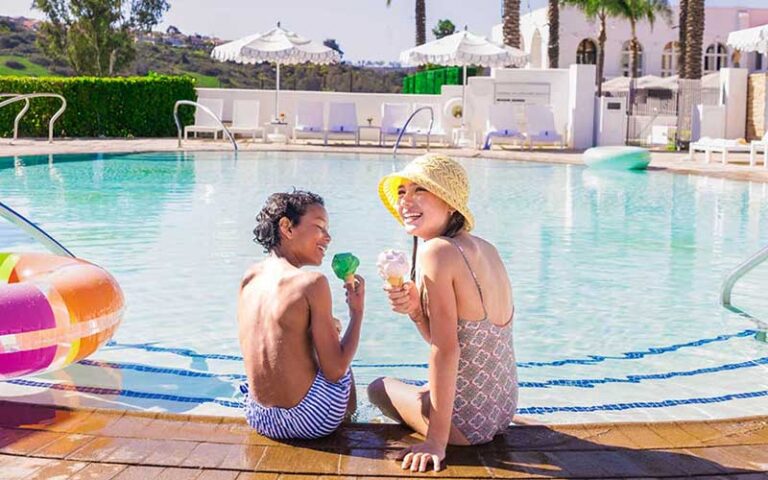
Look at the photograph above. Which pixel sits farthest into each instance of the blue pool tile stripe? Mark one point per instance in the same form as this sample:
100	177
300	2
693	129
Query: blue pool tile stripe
590	360
577	383
522	411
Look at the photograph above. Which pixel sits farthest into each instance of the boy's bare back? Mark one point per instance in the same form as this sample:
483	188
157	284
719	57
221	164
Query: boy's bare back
275	336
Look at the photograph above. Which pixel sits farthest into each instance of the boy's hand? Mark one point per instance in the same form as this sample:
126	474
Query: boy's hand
356	297
403	299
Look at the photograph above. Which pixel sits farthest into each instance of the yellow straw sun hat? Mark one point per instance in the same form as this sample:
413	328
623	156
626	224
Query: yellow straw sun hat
441	175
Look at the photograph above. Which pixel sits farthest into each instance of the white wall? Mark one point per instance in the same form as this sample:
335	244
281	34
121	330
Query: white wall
574	27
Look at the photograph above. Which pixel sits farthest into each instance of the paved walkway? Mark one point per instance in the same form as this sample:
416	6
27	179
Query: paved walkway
737	169
38	442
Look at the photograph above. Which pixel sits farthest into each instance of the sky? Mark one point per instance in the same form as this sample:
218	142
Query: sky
364	29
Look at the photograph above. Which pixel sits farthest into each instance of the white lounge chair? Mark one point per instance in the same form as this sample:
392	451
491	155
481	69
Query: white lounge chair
393	117
503	122
419	125
203	122
309	120
540	126
756	145
719	145
342	121
245	118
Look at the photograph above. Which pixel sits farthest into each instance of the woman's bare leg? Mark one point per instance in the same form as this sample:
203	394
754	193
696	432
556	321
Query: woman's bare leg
408	404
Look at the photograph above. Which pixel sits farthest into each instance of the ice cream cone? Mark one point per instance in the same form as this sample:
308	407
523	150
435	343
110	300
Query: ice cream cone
395	281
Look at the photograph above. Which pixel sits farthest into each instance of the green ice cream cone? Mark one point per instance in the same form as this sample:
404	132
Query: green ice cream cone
344	266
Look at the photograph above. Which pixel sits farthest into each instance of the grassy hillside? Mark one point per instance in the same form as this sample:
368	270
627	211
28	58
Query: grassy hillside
16	65
18	45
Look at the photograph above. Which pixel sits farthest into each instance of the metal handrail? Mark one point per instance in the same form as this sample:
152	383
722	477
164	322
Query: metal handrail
26	97
33	230
18	117
740	271
405	125
206	110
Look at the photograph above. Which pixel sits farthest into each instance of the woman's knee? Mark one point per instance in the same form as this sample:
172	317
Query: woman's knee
377	391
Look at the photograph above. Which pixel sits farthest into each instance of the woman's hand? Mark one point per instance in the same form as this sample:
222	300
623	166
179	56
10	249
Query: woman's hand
403	299
418	457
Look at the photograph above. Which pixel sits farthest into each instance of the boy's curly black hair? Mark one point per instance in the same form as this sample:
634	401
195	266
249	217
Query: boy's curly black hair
291	205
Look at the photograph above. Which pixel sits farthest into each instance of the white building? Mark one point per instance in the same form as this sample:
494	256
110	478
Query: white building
578	41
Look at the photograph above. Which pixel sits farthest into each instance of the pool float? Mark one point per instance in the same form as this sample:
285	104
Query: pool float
617	158
54	311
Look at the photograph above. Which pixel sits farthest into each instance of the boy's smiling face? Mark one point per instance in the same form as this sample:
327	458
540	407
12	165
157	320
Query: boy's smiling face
309	239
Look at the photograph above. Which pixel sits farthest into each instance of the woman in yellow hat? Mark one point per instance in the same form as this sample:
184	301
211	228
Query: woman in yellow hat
460	300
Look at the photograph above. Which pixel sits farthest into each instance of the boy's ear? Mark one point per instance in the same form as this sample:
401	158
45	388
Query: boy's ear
286	227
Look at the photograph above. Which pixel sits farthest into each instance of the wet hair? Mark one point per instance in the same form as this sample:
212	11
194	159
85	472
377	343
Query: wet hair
291	205
456	224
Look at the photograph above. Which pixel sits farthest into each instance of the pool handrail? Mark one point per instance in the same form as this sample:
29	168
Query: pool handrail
745	267
206	110
405	125
34	231
20	114
26	97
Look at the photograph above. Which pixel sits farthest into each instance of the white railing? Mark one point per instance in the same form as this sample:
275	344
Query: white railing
26	97
206	110
34	231
740	271
405	126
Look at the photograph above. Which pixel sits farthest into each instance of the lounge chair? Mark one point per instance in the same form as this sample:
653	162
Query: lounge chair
342	121
203	122
393	117
309	120
503	122
245	118
756	145
540	126
722	145
419	125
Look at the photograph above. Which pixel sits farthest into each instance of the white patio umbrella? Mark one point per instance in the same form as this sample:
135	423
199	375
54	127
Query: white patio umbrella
279	46
753	39
462	49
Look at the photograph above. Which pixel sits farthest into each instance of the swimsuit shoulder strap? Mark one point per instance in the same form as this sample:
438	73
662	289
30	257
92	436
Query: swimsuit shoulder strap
474	276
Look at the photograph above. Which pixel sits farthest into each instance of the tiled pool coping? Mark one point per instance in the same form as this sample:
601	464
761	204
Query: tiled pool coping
44	442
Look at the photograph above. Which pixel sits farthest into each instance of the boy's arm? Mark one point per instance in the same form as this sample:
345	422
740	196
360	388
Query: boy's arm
333	355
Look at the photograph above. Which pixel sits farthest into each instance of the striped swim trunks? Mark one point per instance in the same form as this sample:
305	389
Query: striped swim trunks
319	413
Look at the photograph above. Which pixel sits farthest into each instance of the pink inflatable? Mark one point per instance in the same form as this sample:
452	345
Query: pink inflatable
54	311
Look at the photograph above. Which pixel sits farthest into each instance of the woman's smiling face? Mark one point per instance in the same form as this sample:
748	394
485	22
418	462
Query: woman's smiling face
424	214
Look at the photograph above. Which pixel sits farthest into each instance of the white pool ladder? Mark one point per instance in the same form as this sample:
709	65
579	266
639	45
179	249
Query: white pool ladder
17	97
34	231
405	126
207	111
730	281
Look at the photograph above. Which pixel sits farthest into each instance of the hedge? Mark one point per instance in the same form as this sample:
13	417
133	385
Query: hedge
431	81
109	107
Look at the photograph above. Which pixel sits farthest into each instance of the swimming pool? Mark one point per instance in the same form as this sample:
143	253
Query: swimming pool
616	278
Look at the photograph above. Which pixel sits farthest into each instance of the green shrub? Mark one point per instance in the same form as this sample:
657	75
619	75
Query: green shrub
110	107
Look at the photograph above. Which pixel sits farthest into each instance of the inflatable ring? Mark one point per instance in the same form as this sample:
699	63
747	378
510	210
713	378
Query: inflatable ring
54	311
617	158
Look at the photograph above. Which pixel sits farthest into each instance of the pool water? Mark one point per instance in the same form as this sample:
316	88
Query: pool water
616	277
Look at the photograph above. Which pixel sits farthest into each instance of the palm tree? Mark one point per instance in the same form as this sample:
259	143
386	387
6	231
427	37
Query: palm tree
600	10
694	37
511	28
636	11
421	21
553	47
681	27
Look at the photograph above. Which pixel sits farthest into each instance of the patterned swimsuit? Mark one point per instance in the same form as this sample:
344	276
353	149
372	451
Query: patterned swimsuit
486	384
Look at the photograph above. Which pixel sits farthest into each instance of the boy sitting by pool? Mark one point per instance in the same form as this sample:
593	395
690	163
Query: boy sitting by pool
299	381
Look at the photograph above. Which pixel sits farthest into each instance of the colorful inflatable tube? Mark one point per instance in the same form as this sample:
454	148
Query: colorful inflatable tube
54	311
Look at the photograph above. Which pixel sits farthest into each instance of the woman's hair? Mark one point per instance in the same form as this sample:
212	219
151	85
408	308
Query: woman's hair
456	224
291	205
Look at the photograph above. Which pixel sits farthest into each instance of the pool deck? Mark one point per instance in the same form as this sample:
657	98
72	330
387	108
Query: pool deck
677	162
44	442
39	442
